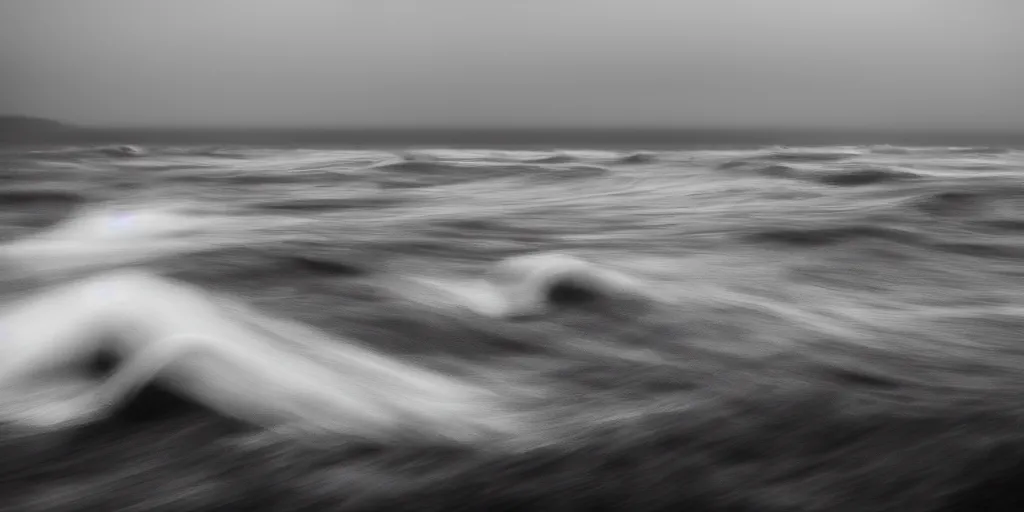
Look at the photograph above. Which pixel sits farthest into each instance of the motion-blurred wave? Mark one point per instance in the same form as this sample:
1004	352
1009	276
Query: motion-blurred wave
837	328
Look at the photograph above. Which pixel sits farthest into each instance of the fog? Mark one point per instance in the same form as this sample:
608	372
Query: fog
913	64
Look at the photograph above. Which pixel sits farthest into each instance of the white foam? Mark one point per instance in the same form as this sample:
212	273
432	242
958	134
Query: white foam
233	359
116	235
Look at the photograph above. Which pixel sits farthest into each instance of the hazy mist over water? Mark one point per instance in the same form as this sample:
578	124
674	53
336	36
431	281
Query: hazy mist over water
876	64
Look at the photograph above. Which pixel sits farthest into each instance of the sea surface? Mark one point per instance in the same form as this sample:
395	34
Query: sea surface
844	330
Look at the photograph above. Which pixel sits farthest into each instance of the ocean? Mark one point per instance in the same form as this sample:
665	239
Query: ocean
840	327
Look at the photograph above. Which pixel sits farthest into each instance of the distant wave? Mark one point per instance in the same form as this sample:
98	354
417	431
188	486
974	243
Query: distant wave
831	235
411	166
846	176
938	150
119	151
967	199
640	157
255	177
948	202
416	156
414	174
808	156
756	166
885	149
301	204
557	158
907	238
124	151
562	172
978	150
862	176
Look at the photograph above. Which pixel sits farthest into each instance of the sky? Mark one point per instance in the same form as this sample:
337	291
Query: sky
903	64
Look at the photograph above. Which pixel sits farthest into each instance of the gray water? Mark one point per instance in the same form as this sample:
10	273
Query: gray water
841	330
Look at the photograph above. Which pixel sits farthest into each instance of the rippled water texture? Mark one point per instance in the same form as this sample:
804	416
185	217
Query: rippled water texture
841	325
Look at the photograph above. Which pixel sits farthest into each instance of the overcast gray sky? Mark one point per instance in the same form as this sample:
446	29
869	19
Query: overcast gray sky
598	63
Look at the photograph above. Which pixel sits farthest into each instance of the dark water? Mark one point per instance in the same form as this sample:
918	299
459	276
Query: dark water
843	331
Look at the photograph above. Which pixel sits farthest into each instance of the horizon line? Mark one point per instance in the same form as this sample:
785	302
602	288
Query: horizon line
541	129
760	128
